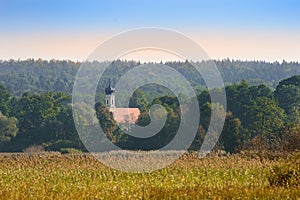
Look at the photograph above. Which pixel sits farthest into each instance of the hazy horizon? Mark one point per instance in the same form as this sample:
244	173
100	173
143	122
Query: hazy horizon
244	30
148	61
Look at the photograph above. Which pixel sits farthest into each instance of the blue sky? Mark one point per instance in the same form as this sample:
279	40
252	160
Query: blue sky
45	15
52	18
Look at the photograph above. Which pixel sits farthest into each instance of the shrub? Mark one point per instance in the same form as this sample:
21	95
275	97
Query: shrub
291	139
34	149
286	175
60	144
69	150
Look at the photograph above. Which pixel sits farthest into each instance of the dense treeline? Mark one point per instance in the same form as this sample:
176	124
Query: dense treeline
37	76
258	118
58	76
36	119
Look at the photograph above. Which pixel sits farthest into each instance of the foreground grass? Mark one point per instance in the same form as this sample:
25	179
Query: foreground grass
55	176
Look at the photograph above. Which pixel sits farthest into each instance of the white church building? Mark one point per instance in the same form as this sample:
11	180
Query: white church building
121	115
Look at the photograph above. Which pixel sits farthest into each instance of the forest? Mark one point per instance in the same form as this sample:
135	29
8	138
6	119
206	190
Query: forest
263	102
40	76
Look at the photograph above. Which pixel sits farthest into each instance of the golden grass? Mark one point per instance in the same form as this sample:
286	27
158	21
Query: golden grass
81	176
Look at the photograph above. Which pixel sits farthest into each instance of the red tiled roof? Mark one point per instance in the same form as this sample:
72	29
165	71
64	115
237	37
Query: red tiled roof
128	115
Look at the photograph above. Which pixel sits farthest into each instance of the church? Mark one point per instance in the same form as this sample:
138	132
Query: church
121	115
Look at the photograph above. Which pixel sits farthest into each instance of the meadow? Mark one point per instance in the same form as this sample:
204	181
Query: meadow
81	176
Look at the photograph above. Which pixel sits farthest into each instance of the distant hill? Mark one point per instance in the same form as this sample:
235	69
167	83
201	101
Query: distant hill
41	76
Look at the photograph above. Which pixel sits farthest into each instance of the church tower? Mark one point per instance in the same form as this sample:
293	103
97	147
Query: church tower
121	115
110	98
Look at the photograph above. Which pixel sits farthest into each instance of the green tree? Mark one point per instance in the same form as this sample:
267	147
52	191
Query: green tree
266	117
205	115
107	122
166	134
43	119
4	100
138	100
8	128
287	94
35	110
237	98
231	134
197	142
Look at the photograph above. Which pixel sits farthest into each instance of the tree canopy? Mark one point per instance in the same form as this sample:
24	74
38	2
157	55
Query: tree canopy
44	117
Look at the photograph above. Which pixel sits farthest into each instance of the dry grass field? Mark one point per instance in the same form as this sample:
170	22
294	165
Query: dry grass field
81	176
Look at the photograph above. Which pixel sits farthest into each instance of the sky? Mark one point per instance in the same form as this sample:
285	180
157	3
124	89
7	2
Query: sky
71	29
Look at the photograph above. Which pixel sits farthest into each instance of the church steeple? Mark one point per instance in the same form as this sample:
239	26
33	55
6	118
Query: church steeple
110	97
109	90
121	115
